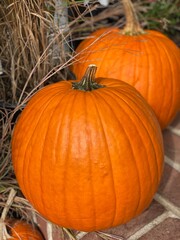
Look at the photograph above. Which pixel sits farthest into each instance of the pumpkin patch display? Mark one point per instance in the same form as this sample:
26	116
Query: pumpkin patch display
88	155
146	59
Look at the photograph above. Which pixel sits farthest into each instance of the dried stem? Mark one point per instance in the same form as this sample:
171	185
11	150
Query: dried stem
3	231
132	26
80	235
88	82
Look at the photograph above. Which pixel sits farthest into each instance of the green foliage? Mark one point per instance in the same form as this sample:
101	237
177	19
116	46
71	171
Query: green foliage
163	15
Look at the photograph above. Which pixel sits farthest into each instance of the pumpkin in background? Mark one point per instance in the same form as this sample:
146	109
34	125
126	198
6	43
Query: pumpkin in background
147	60
21	230
88	155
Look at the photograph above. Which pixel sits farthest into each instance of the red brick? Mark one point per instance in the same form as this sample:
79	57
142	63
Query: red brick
169	229
91	236
170	185
171	145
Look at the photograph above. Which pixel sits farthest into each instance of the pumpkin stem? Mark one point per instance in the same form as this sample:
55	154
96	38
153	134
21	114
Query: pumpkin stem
132	26
88	82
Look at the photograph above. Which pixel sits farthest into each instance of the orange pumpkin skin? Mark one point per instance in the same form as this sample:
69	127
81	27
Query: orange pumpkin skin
21	230
150	62
88	160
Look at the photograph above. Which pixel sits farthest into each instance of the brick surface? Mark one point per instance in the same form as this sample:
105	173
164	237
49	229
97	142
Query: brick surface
170	185
171	145
92	236
169	229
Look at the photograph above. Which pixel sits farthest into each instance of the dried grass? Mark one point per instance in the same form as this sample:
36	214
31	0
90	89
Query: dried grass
25	50
35	50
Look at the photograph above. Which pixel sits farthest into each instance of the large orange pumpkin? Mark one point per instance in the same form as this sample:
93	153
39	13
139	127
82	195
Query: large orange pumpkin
21	230
88	155
147	60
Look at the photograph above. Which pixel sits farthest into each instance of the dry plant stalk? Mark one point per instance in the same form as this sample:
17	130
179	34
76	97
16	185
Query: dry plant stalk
27	27
132	23
24	40
3	231
35	44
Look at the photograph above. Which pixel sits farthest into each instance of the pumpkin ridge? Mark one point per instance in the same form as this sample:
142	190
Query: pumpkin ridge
107	149
64	112
145	128
177	60
35	127
139	39
143	109
159	59
68	157
48	103
27	145
149	137
90	163
69	111
147	133
35	103
136	69
129	137
102	49
172	86
124	50
43	153
147	77
154	152
171	113
17	135
106	53
85	95
162	44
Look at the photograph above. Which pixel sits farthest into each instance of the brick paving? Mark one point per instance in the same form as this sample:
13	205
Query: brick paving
161	221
